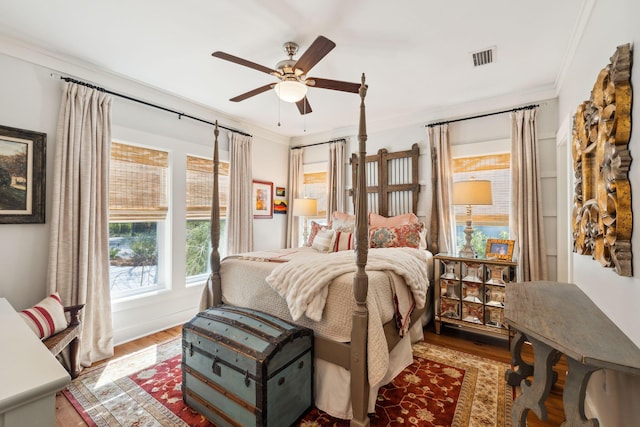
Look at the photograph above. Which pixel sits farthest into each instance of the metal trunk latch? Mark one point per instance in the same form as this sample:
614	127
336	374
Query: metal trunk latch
246	379
215	367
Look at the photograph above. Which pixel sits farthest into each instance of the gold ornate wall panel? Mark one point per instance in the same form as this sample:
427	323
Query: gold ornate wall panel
602	217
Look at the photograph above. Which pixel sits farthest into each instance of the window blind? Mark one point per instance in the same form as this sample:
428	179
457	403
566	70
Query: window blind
137	183
200	187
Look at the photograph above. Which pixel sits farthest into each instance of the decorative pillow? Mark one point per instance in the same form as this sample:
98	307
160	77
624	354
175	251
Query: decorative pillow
47	317
315	227
423	236
376	220
323	240
343	222
407	235
344	241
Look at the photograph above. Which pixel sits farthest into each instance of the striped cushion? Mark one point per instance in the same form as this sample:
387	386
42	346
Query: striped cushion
344	241
47	317
323	240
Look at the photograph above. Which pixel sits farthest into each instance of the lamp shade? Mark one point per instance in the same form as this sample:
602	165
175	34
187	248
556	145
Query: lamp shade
305	207
473	192
290	90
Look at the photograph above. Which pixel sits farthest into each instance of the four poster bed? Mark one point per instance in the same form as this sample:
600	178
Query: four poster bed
364	316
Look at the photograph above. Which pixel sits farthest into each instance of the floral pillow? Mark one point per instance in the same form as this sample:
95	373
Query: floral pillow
406	235
343	222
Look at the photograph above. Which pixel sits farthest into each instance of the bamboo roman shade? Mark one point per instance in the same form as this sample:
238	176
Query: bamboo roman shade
137	183
495	168
200	187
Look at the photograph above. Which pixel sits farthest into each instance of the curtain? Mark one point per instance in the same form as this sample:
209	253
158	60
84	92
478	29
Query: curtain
439	137
336	179
296	177
525	219
79	241
240	207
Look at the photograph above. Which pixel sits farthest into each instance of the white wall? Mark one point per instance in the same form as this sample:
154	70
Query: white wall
30	100
612	23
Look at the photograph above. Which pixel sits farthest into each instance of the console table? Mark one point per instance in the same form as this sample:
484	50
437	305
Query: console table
30	374
558	318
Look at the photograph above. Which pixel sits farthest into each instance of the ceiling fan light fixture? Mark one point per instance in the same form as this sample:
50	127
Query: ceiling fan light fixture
290	90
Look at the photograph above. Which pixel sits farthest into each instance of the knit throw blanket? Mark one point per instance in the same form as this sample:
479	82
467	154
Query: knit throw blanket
303	283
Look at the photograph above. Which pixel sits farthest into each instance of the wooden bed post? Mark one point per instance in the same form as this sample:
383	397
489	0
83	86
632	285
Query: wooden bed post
359	371
214	259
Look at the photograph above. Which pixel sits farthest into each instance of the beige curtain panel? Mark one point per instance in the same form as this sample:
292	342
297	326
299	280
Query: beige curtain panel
526	218
240	209
439	138
296	177
336	179
79	242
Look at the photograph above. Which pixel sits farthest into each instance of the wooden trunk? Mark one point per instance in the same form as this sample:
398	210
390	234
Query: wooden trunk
242	367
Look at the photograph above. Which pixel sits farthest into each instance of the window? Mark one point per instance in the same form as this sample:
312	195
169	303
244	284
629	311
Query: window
488	221
137	212
199	192
315	187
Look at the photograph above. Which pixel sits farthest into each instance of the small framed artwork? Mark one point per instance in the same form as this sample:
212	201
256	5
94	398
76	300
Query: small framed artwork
22	176
280	206
500	249
279	191
262	199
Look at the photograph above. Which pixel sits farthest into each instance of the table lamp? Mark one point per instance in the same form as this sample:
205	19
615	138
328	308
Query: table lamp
305	208
472	192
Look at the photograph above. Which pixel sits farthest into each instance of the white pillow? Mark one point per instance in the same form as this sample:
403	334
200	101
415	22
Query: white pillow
323	242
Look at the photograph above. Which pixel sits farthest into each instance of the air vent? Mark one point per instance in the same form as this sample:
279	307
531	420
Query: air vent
485	56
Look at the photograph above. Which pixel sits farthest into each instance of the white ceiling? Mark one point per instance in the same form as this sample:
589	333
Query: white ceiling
415	53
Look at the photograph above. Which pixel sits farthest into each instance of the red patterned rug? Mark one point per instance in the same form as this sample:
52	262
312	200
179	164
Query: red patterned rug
441	388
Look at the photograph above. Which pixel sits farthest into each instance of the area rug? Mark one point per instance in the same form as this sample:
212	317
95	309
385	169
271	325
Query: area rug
442	387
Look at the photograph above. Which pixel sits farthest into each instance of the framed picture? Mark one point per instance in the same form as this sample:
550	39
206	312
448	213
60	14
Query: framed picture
279	191
280	206
22	176
500	249
262	199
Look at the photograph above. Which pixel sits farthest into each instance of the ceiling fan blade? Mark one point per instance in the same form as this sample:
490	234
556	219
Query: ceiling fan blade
318	49
236	60
251	93
335	85
303	106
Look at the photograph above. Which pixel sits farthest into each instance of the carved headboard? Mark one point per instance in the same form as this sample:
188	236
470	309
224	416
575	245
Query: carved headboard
392	181
393	184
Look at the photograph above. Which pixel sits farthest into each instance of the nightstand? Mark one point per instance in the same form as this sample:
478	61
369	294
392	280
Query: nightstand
470	292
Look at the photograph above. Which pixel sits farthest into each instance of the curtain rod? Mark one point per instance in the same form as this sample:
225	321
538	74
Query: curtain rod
180	115
297	147
526	107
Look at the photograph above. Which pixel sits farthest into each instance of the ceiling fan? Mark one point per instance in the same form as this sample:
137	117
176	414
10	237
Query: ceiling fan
292	74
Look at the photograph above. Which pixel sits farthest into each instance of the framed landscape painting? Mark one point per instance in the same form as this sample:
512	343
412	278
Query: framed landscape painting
22	176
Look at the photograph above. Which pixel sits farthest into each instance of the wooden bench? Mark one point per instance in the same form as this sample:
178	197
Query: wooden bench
68	337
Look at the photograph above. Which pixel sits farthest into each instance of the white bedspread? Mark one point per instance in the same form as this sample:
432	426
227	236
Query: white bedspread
304	283
244	284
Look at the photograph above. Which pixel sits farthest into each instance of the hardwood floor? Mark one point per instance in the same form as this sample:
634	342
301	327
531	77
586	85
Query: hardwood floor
488	347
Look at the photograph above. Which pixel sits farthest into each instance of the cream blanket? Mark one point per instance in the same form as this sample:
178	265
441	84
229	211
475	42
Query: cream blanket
304	283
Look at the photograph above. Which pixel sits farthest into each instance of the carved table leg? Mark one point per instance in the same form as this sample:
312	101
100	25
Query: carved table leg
534	394
515	377
573	396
